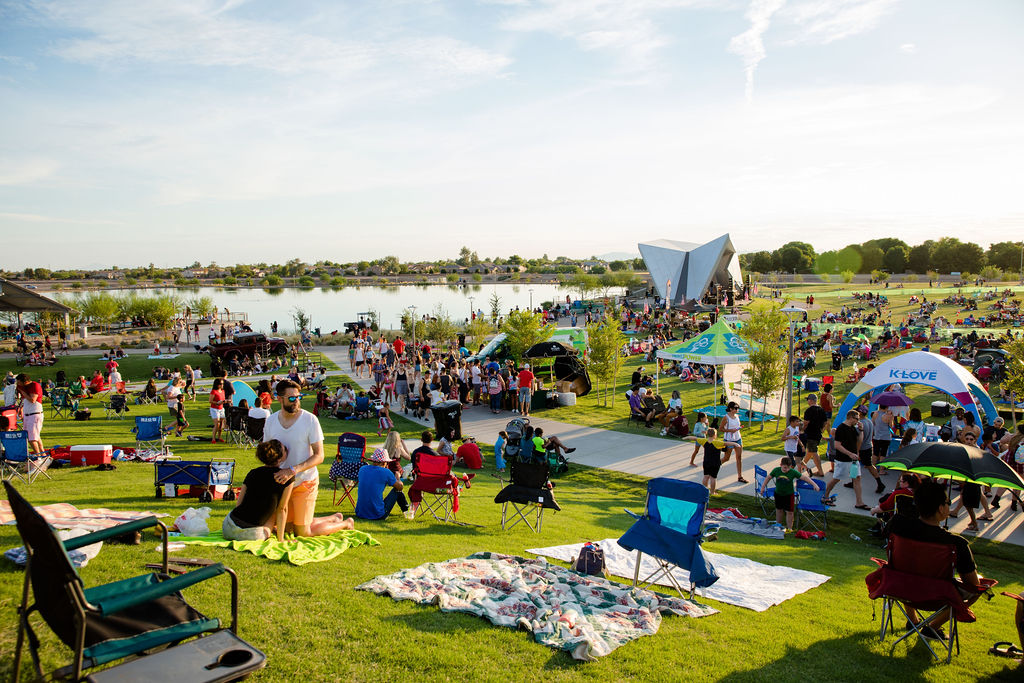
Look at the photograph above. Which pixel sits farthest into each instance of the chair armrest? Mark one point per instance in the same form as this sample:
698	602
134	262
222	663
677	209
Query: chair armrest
158	590
104	534
632	514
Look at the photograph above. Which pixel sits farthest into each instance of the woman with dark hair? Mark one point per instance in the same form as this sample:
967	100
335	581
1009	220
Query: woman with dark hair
217	400
916	423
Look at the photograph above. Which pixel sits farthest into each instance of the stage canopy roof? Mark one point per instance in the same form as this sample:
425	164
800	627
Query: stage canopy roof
683	271
17	299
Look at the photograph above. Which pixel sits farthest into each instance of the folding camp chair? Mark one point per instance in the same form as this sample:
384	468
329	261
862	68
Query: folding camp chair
345	468
670	531
149	433
235	419
767	501
192	473
436	486
121	619
62	404
527	495
253	431
362	407
810	511
9	418
920	576
115	407
18	462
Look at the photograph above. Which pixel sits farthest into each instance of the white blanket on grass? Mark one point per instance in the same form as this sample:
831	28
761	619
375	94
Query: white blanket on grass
741	582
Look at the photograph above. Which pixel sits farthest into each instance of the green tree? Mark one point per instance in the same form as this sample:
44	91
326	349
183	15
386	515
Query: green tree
953	256
440	328
582	283
760	261
768	364
919	259
1005	255
201	306
478	328
895	259
1014	381
522	330
301	319
273	281
495	302
870	259
604	358
617	266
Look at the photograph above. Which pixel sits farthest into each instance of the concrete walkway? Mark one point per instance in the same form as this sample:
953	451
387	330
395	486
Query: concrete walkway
641	452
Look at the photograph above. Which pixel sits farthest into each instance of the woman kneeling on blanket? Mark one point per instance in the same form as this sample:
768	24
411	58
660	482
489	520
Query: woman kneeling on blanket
263	503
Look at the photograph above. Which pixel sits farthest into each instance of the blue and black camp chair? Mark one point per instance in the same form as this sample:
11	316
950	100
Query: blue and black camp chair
149	433
768	499
124	618
18	462
811	512
62	403
670	531
345	468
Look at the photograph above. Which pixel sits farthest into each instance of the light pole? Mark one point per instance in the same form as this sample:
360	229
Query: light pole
531	292
412	317
471	309
789	310
1022	264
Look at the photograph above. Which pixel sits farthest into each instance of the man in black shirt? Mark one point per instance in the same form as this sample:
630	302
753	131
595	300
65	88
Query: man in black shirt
932	504
846	461
814	419
426	438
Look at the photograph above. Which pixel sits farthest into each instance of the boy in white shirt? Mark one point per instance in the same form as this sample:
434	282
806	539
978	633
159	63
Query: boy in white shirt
791	439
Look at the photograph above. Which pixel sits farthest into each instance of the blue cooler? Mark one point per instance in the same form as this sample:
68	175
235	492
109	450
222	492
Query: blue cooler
812	384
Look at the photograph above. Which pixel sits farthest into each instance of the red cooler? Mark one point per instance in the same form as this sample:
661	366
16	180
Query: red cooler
91	455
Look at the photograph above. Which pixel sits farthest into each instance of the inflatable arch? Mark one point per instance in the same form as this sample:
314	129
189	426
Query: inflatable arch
929	369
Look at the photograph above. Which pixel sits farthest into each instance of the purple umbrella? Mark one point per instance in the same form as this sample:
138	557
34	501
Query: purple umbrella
892	398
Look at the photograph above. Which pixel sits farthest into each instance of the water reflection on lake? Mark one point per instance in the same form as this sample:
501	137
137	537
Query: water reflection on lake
331	308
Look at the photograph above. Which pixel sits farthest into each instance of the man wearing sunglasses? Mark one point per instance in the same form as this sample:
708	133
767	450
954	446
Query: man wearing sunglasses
300	433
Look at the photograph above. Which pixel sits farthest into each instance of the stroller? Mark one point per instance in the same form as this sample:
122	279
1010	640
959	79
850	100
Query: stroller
518	445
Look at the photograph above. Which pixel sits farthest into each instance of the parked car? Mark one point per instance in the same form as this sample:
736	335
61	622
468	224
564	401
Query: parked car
246	345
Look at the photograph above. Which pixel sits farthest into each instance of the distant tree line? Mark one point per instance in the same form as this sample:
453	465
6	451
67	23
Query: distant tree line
890	255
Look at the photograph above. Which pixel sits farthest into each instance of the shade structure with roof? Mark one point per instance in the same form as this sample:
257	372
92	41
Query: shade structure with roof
717	345
683	271
929	369
17	299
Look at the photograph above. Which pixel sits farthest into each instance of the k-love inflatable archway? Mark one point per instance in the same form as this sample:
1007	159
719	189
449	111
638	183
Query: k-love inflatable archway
930	369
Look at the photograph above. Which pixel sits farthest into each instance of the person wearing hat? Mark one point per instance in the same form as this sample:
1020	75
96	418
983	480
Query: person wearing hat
526	379
374	480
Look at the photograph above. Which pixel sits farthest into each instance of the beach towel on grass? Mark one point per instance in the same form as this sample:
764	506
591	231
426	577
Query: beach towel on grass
741	582
586	616
67	516
298	551
731	519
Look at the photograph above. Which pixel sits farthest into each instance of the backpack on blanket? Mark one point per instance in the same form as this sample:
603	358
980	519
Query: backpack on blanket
590	561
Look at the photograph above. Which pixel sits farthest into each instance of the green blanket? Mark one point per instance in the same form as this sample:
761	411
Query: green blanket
298	551
587	616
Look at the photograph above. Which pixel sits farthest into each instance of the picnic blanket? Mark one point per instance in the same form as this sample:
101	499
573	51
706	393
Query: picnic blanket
741	582
163	356
298	551
79	557
733	520
67	516
586	616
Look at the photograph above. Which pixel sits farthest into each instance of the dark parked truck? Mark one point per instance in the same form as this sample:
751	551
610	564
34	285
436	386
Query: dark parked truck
246	345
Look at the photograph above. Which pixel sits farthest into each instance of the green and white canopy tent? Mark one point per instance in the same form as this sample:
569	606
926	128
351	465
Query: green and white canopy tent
717	345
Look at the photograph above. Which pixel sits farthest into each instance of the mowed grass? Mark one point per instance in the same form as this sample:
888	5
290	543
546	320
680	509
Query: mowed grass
314	626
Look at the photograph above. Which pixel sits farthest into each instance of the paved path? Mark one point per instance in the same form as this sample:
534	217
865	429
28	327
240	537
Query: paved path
637	452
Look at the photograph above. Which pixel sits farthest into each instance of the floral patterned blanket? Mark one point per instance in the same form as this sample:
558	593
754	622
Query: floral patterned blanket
585	615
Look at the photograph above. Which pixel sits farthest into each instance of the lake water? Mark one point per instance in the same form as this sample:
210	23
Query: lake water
330	309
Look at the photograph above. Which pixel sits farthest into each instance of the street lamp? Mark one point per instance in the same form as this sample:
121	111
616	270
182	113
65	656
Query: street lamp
1022	264
788	310
412	317
531	294
471	309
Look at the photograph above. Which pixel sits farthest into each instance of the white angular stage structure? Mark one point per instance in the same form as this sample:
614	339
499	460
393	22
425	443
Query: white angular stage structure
683	271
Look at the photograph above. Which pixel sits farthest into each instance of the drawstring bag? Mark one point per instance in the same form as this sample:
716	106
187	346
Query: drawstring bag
590	561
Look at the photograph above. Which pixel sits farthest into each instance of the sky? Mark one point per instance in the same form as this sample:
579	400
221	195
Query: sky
245	131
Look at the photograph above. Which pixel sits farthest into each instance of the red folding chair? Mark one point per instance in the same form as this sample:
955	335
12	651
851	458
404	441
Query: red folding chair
920	575
828	379
435	486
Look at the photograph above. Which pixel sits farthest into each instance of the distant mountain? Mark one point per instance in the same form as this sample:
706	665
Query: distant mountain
618	256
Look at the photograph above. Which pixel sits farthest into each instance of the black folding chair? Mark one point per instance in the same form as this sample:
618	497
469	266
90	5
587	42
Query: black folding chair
527	495
125	618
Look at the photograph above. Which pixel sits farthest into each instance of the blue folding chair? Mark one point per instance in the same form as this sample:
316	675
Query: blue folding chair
768	499
149	433
345	468
18	462
670	531
811	512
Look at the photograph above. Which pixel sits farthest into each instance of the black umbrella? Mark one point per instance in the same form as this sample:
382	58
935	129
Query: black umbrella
955	461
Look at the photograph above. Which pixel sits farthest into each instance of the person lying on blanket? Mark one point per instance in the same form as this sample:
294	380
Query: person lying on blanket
263	503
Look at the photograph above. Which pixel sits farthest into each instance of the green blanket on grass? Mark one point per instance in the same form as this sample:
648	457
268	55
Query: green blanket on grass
298	551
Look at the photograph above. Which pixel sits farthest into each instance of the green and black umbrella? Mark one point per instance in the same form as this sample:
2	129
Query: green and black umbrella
955	461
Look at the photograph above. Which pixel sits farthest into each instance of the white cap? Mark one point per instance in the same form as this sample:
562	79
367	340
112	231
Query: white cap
526	366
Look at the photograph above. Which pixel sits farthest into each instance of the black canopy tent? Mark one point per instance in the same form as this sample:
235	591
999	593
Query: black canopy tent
17	299
566	364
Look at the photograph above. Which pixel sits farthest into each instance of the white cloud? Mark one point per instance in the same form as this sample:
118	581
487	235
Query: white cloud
909	48
826	21
25	171
749	44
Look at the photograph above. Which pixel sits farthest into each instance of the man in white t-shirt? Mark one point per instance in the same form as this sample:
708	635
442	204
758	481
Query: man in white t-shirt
300	433
260	410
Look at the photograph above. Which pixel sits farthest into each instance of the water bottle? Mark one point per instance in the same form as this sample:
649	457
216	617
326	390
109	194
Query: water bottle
854	537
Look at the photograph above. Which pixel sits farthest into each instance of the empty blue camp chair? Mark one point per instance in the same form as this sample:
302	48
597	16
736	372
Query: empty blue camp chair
18	462
811	513
768	499
670	532
149	433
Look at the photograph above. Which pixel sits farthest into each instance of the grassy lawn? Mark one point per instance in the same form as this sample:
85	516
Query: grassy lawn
313	626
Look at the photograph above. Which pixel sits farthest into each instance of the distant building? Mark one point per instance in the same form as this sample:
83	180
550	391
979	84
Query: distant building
683	271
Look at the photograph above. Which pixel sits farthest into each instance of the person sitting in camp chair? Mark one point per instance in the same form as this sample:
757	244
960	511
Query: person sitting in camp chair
932	505
542	445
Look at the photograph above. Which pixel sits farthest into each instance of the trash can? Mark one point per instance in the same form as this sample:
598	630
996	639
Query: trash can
447	416
539	400
84	331
940	409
